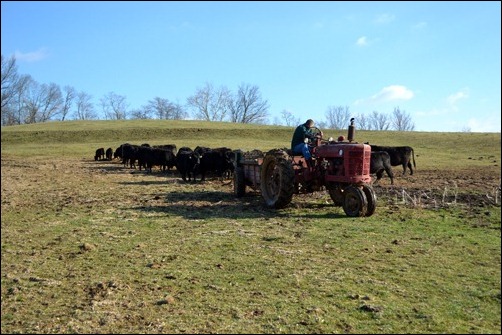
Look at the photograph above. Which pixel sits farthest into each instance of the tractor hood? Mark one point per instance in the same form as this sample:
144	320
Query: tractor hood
334	150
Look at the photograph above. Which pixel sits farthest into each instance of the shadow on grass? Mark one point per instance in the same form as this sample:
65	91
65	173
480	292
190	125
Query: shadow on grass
116	167
195	205
199	204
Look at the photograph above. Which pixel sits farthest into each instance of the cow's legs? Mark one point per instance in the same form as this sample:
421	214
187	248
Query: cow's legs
379	175
390	174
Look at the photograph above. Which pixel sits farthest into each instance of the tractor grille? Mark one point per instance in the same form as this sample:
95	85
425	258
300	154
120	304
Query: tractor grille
359	162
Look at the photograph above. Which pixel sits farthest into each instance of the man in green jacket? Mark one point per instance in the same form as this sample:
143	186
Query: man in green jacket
301	137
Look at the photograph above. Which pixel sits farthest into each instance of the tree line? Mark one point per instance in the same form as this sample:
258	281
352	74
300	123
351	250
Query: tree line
25	101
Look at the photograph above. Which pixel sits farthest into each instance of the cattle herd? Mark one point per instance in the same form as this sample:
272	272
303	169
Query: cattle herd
189	163
202	161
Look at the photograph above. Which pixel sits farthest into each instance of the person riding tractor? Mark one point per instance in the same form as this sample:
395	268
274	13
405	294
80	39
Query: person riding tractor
302	136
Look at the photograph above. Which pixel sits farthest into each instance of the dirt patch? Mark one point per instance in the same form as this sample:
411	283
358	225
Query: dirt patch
85	183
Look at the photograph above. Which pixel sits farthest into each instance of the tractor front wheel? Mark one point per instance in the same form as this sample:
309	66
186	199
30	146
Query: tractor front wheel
371	198
355	202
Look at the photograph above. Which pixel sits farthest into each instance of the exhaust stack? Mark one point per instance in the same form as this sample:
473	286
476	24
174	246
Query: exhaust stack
352	129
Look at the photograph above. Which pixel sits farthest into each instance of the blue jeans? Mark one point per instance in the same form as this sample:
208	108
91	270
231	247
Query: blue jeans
302	148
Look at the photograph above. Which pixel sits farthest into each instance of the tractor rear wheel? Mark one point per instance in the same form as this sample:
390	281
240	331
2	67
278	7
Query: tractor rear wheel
355	202
239	182
277	181
371	198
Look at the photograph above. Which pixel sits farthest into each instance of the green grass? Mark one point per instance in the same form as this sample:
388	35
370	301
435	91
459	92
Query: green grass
89	247
77	138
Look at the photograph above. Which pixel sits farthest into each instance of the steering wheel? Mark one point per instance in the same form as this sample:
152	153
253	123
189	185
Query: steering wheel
316	131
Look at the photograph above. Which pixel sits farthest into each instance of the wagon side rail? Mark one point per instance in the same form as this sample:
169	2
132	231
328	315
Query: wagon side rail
248	168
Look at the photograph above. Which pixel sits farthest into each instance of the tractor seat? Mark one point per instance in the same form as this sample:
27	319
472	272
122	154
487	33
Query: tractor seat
291	154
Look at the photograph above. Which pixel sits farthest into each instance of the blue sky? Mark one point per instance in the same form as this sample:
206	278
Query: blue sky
440	62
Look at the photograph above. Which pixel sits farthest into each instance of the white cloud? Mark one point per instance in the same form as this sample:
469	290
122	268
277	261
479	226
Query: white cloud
183	26
384	18
420	25
450	107
453	116
31	56
432	112
362	41
318	25
455	97
491	123
387	94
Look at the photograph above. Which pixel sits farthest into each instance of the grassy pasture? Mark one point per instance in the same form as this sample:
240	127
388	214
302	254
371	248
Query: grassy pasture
77	138
93	247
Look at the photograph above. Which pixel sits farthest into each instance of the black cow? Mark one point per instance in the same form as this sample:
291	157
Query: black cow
150	156
228	161
164	158
380	162
143	155
100	154
217	161
199	150
171	158
109	153
118	152
129	154
398	156
186	161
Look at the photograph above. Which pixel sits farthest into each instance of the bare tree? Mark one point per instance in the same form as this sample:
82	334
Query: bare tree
289	119
165	109
322	124
31	102
210	104
84	107
177	112
248	105
51	102
337	117
42	102
11	93
9	80
68	97
379	121
114	106
402	121
158	107
25	100
363	122
200	103
140	113
15	110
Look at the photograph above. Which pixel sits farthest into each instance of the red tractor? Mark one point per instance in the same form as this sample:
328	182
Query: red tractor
340	167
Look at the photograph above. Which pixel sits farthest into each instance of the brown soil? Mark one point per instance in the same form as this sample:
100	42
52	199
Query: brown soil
83	182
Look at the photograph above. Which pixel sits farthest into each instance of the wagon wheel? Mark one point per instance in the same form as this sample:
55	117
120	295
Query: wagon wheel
277	181
279	153
239	182
355	202
371	197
